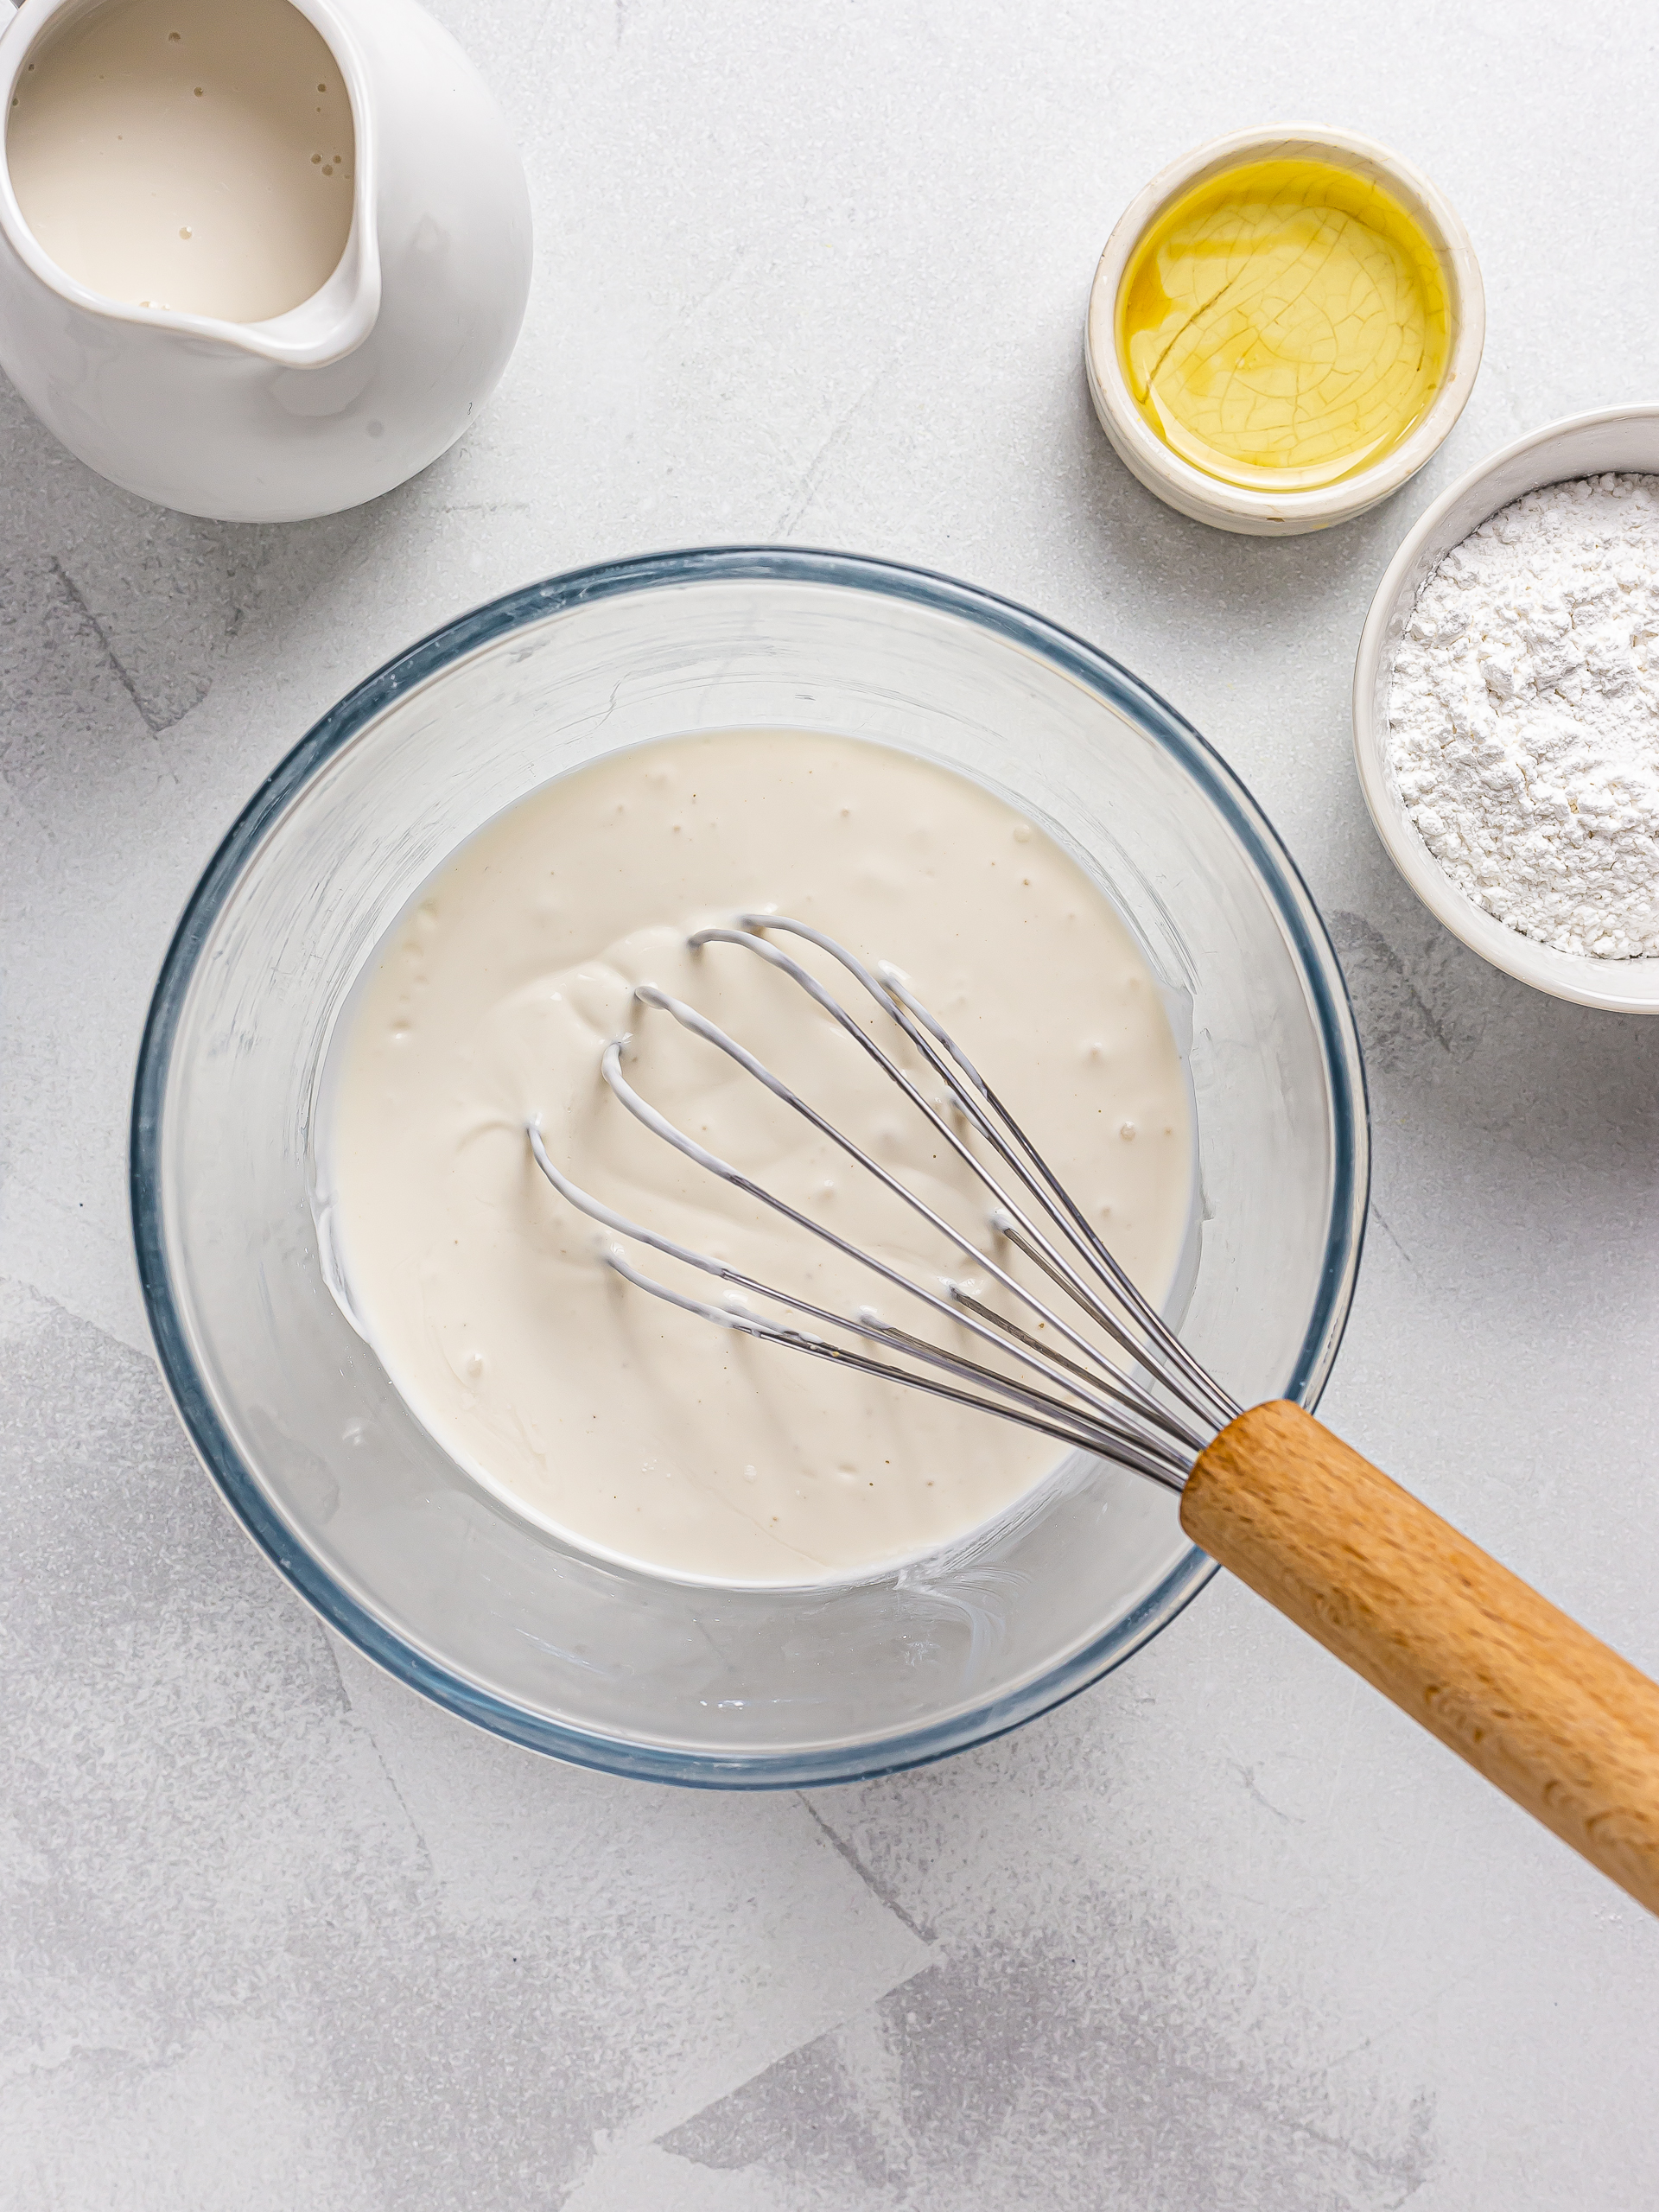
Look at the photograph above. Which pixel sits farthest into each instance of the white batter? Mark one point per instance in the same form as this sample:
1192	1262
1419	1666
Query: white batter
638	1430
196	155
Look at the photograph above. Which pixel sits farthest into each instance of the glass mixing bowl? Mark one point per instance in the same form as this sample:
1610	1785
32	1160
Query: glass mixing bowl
398	1549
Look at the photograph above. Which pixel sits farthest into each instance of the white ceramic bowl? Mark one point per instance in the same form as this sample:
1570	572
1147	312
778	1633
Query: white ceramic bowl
1282	514
1625	439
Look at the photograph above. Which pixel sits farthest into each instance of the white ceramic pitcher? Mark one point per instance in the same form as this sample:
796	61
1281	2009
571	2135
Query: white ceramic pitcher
360	385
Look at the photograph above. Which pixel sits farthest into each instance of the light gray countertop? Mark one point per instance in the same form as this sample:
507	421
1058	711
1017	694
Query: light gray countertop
1224	1935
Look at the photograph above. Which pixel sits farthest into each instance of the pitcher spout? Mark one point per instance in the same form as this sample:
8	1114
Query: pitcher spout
333	340
335	318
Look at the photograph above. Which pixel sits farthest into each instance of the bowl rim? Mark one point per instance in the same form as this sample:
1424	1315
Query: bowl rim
1206	497
1299	917
1557	973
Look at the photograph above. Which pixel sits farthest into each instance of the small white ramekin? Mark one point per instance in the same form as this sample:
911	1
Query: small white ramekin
1622	439
1282	514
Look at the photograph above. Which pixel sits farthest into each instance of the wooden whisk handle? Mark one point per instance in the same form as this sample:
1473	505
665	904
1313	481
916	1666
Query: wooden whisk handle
1535	1702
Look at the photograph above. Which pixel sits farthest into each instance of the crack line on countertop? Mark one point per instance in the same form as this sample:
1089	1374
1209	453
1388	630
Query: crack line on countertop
379	1756
151	723
806	484
878	1890
1383	1223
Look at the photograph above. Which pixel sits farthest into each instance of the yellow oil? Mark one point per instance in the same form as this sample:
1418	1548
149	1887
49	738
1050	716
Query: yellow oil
1283	325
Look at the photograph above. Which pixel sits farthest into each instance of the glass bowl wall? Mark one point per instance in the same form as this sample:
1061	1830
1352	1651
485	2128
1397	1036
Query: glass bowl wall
364	1513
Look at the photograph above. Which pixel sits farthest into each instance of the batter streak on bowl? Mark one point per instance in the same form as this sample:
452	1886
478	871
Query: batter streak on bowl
630	1428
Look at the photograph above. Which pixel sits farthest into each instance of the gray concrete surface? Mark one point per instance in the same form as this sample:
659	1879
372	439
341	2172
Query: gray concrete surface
1225	1934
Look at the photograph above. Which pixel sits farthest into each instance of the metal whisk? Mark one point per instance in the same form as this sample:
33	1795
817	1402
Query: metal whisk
1564	1726
1083	1395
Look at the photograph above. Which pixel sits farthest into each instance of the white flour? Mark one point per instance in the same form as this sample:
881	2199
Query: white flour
1523	716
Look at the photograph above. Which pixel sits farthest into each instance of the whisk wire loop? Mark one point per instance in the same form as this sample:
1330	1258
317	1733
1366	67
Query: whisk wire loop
1096	1391
1117	1386
900	1005
1083	1395
1114	1436
1031	1410
985	1110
